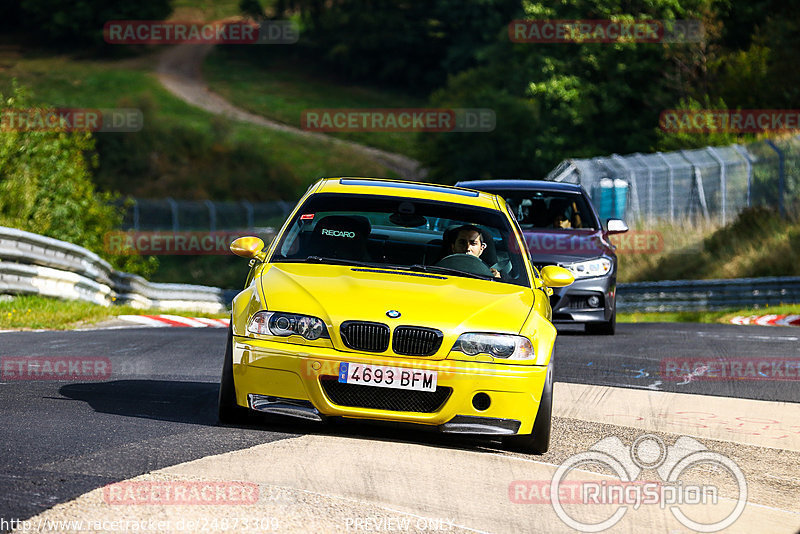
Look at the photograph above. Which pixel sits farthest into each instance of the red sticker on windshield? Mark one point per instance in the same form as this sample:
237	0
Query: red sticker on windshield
306	216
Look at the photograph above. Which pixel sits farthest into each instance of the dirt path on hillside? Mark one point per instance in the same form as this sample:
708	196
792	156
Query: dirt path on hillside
180	72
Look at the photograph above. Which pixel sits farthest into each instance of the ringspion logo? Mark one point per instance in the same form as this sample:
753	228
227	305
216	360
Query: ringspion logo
614	496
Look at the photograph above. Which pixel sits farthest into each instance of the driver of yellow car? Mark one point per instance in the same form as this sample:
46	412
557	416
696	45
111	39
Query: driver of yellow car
469	240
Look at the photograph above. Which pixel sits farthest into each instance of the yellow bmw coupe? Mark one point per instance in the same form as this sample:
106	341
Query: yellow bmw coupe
400	302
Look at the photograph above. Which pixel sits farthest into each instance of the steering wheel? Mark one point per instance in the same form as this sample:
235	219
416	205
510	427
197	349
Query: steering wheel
465	262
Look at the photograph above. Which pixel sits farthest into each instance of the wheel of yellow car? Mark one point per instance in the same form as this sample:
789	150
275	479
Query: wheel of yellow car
538	441
465	262
228	411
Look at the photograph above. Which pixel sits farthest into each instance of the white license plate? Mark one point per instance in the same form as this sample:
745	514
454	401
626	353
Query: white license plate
387	377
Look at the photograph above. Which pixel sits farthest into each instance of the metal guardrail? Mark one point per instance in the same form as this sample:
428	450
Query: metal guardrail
34	264
699	295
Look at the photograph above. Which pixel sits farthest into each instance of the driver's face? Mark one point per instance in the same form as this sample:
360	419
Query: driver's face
468	242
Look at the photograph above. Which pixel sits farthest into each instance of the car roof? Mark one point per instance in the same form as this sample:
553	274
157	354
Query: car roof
520	185
406	189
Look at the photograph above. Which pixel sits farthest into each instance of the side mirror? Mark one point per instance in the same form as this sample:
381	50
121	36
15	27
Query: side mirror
555	276
249	247
616	226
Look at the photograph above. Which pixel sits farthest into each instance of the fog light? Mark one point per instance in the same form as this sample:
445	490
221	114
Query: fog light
481	401
593	301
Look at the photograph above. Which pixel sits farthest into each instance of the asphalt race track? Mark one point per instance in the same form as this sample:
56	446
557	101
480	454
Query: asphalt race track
157	409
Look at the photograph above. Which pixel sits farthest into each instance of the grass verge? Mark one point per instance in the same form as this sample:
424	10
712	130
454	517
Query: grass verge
281	88
759	242
181	151
25	312
721	316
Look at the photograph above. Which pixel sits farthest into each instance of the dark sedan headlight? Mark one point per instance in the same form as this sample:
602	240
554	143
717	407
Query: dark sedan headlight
503	346
587	269
287	324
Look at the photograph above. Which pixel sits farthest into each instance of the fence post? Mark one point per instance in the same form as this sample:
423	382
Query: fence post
640	157
248	208
174	207
212	215
671	179
781	176
135	214
698	184
722	187
743	152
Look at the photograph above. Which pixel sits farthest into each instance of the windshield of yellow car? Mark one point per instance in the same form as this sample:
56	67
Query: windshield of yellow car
397	232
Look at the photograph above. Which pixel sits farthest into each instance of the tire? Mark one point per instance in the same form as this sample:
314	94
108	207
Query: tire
538	441
228	412
603	329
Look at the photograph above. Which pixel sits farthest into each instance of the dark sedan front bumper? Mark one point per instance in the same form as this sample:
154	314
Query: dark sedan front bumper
571	304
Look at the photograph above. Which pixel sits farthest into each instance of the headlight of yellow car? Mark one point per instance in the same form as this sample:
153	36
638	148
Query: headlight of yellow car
503	346
287	324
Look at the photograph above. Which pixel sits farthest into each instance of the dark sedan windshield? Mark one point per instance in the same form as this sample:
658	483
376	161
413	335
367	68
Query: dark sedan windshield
399	233
550	209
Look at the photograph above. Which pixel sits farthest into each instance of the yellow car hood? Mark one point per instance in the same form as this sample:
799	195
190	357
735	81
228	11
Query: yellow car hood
452	304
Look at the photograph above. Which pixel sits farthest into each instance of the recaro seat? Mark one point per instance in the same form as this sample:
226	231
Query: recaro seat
341	237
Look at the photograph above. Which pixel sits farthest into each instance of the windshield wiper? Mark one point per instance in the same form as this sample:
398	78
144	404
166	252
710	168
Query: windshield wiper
337	261
447	270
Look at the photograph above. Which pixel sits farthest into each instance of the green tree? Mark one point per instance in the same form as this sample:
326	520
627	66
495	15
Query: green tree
80	22
572	99
46	187
414	43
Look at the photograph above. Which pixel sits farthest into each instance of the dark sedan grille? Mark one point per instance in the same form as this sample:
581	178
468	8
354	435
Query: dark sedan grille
378	398
369	337
578	303
416	341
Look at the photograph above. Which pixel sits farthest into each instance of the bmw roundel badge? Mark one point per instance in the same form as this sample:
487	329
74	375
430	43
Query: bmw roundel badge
393	314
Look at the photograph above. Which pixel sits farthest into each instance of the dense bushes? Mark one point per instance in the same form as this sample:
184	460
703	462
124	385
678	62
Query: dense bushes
46	187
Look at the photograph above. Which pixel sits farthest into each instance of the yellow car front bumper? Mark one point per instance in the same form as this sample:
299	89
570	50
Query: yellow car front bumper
263	368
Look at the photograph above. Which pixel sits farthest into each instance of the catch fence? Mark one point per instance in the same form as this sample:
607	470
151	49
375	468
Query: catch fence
711	183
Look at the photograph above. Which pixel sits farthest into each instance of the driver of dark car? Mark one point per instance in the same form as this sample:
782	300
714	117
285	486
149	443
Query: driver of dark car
469	240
